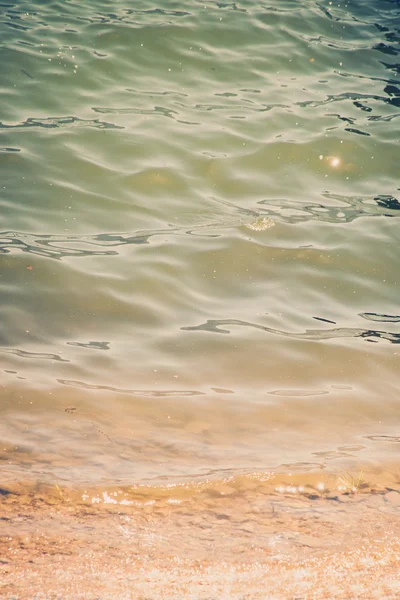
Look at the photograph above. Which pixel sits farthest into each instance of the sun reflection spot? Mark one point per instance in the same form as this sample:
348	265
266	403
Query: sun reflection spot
335	161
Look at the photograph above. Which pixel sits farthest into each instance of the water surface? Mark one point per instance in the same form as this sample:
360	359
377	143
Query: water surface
199	239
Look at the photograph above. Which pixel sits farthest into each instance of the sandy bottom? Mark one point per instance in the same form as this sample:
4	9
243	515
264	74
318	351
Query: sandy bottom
225	541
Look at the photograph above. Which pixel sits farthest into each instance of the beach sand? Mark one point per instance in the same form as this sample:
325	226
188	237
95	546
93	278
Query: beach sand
217	543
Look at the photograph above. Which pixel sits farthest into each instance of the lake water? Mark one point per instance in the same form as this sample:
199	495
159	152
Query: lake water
199	240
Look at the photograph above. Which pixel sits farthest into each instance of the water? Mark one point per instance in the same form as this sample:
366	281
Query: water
199	240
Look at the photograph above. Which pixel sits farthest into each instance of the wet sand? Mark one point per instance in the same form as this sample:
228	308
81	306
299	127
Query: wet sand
228	540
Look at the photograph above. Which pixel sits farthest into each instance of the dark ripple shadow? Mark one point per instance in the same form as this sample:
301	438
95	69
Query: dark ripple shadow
380	318
61	122
345	210
222	5
326	12
36	355
235	103
124	17
147	393
91	345
340	452
370	335
151	93
355	96
23	21
16	26
155	110
383	438
58	247
158	11
238	104
298	393
388	202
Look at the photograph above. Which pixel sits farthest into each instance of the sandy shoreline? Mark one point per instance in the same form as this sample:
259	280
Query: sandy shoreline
206	547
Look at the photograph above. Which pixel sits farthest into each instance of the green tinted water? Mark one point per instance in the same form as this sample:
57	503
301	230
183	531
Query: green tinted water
199	237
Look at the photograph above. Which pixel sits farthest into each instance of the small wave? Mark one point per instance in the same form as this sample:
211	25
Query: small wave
346	208
91	345
149	393
35	355
61	122
369	335
58	246
380	318
10	149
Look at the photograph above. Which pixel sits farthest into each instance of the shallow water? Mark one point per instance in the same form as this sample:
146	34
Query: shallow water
199	244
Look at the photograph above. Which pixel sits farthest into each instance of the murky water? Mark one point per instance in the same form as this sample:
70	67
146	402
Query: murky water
199	239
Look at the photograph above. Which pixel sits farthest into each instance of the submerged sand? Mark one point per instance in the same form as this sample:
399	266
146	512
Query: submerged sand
229	540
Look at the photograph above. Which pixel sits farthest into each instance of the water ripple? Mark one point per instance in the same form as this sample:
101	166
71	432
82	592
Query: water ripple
145	393
380	318
61	122
369	335
143	137
35	355
91	345
58	246
349	96
344	210
10	149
